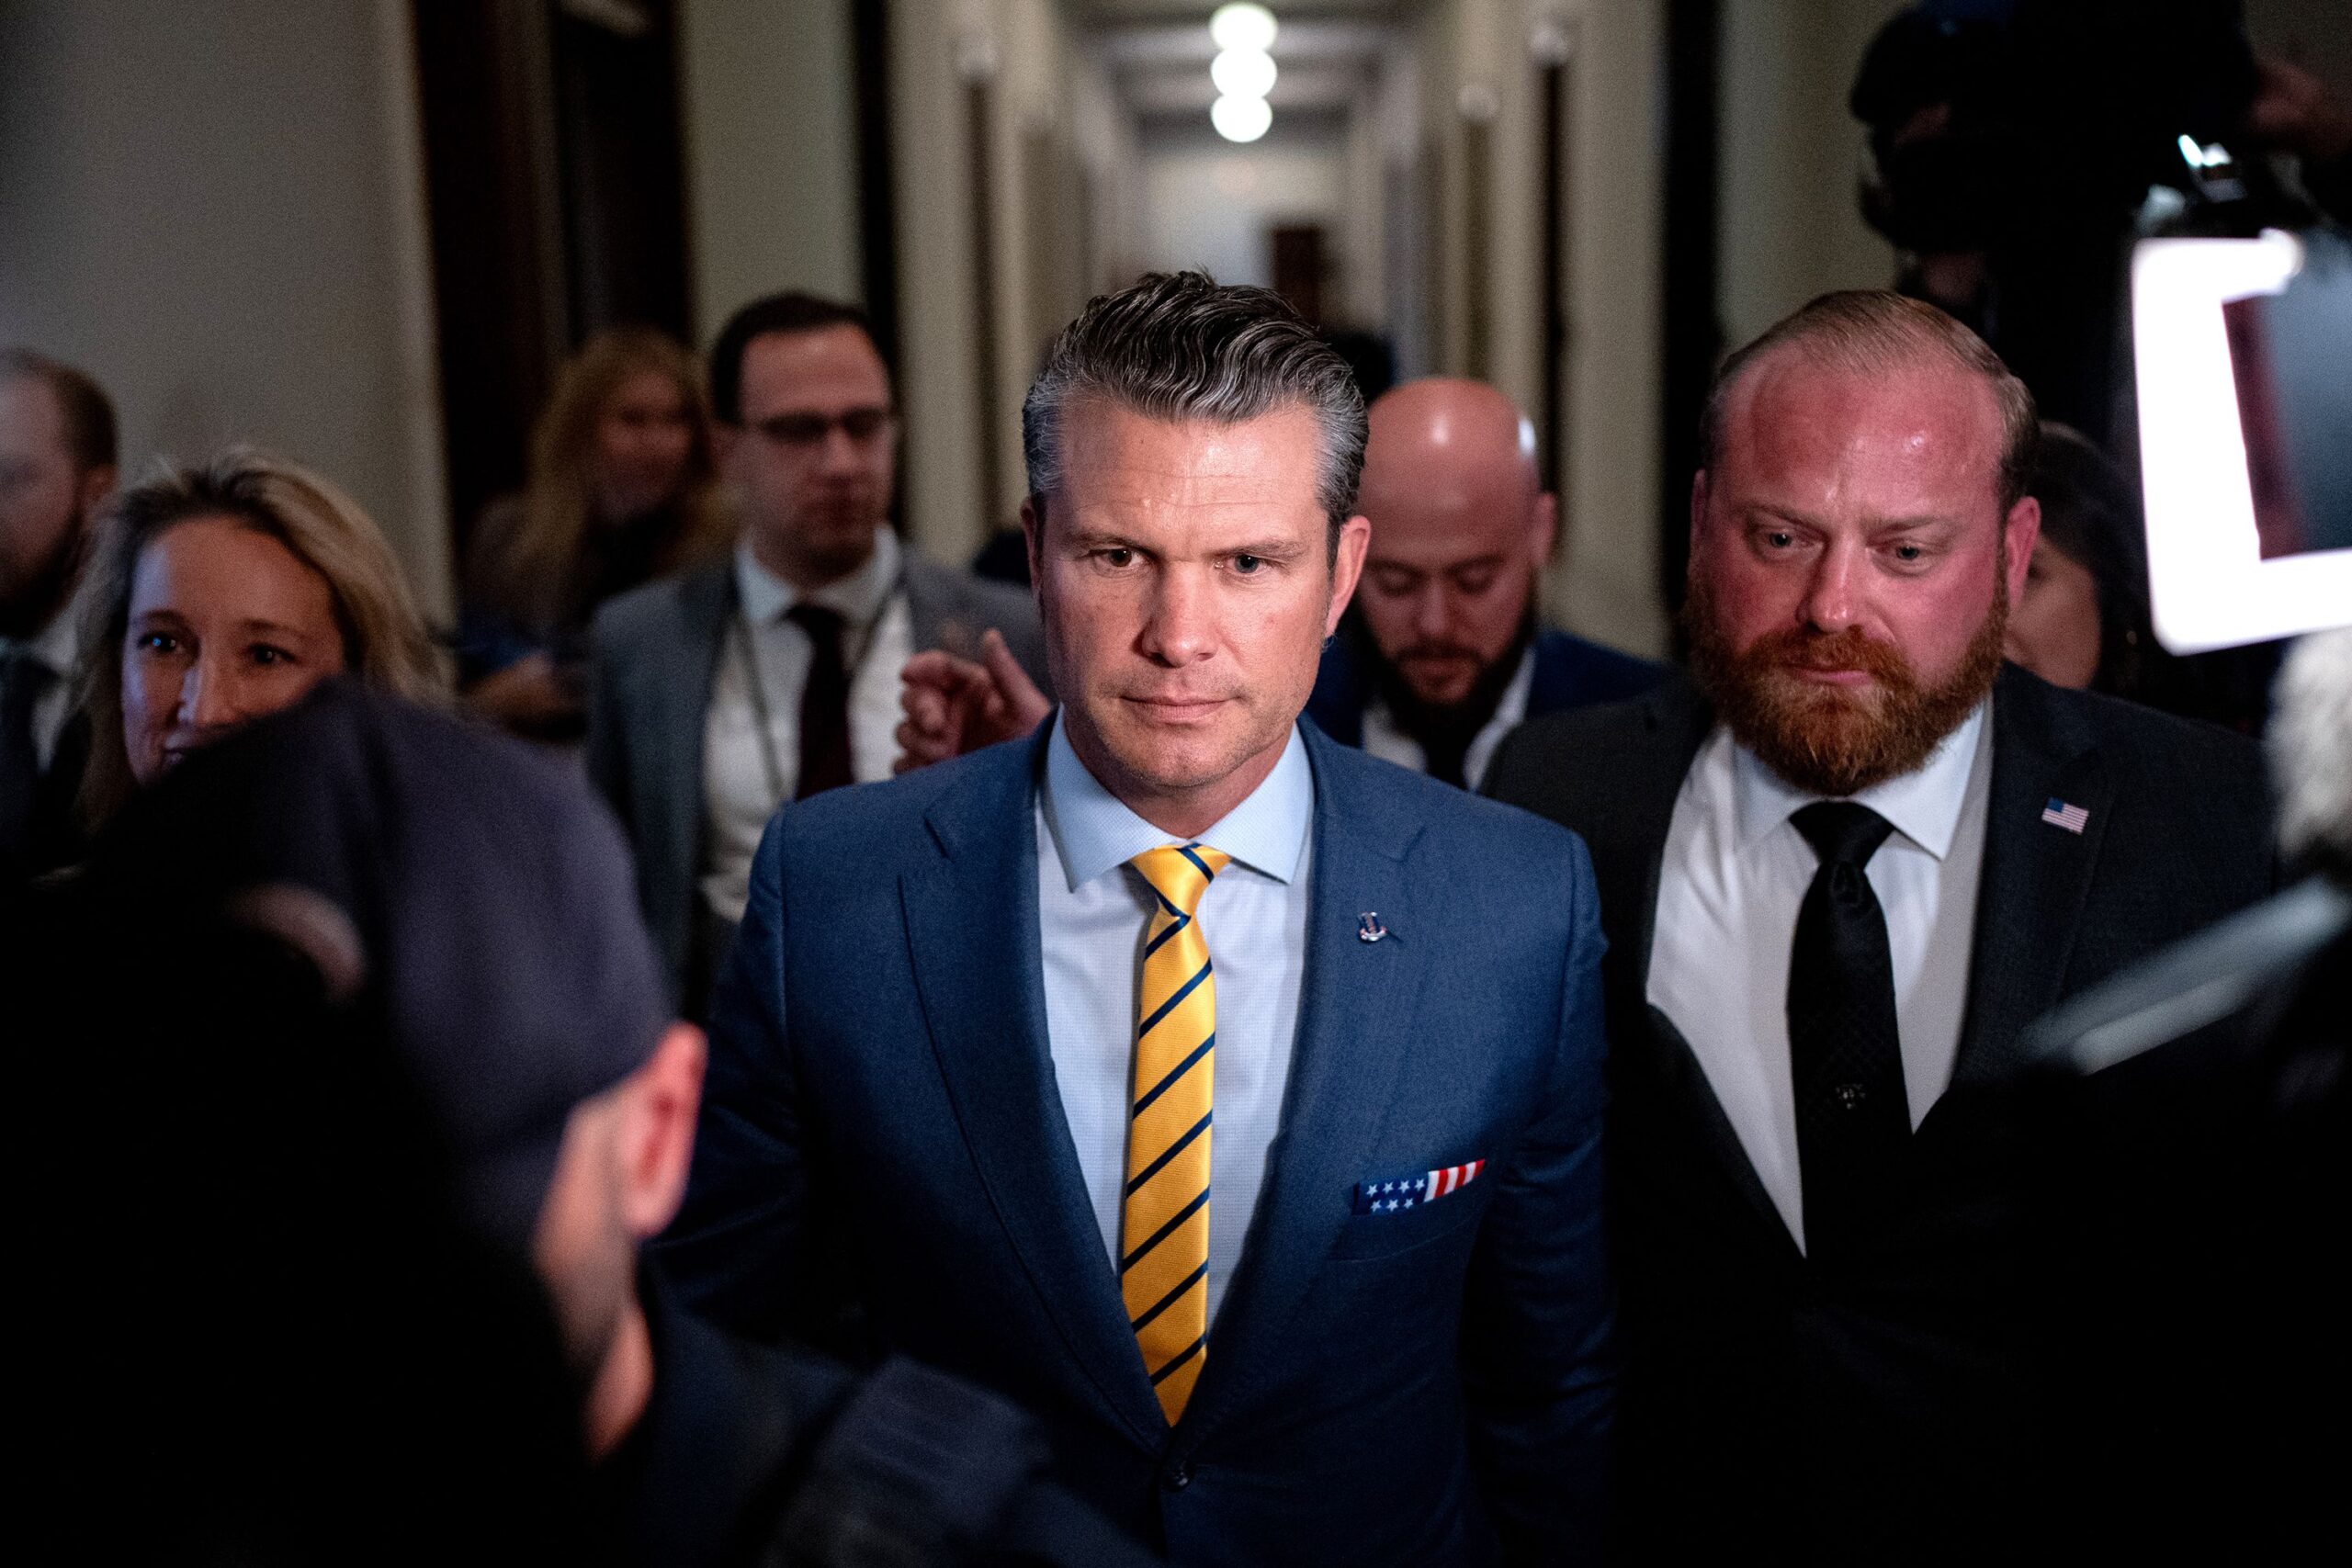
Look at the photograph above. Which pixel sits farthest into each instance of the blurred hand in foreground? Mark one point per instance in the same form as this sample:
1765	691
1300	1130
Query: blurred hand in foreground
953	705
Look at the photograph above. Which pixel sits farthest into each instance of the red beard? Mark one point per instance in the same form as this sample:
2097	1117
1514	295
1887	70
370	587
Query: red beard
1827	740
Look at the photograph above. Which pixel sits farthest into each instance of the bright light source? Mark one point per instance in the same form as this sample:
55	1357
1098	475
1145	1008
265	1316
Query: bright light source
1243	73
1240	120
2209	585
1243	28
2210	157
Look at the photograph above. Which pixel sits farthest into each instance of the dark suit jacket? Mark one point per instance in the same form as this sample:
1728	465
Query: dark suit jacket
1776	1413
1570	673
2192	1171
52	831
656	652
880	1077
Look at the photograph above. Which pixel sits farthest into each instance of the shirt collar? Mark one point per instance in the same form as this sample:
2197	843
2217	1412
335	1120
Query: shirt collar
765	597
1924	804
1095	833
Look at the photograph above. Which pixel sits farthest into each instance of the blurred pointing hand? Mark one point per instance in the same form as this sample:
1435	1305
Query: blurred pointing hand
953	705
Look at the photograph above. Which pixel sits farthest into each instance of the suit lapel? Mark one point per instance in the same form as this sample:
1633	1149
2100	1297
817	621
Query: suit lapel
1678	721
706	609
972	926
2036	875
1350	1047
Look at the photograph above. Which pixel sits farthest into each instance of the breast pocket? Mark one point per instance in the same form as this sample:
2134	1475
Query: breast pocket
1369	1237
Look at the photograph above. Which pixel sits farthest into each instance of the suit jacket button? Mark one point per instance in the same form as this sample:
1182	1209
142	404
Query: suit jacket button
1178	1476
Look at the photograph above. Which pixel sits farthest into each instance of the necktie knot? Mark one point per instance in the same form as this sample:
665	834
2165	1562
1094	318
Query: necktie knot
824	624
1180	874
1842	832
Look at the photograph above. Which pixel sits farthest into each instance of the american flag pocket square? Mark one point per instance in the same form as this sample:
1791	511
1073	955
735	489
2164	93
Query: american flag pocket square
1398	1193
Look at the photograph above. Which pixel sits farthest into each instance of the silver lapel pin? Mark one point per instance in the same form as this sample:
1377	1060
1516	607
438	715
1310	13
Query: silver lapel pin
1368	927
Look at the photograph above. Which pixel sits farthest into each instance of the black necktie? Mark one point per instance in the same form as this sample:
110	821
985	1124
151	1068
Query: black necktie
22	681
1845	1056
824	702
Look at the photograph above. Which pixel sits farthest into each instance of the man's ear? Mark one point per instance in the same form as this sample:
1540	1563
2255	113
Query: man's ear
1347	568
1698	508
91	491
1544	535
1032	537
657	1130
2020	532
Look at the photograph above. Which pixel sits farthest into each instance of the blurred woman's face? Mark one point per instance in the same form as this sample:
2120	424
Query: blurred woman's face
2053	626
226	625
643	442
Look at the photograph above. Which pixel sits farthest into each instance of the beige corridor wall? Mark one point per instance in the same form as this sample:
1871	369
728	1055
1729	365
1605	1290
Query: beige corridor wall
1478	57
1789	153
216	206
769	101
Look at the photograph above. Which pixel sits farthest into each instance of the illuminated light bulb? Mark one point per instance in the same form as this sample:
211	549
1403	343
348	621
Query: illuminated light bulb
1243	28
1240	120
1243	73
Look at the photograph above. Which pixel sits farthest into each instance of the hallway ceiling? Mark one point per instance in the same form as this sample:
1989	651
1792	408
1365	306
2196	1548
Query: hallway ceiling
1113	11
1159	53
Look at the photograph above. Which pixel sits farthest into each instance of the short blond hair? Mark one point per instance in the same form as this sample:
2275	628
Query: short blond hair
384	641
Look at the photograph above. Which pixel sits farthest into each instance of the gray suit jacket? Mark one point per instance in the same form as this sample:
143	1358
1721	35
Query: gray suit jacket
655	653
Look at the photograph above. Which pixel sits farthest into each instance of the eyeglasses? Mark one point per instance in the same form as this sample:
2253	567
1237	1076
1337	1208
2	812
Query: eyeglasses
861	425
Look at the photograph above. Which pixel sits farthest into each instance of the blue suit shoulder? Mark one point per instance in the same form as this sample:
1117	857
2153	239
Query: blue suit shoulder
1497	854
870	827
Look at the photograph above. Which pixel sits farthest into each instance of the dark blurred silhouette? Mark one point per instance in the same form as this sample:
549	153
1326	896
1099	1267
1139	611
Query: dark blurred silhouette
466	903
2192	1150
623	488
2013	144
259	1330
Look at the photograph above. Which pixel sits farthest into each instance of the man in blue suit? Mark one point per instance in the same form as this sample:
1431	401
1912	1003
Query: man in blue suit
1228	1097
1444	651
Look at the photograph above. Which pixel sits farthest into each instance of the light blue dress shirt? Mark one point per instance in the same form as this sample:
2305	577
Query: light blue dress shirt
1093	910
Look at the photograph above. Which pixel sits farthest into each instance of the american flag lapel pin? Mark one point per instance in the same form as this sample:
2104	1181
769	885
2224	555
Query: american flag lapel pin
1368	927
2059	814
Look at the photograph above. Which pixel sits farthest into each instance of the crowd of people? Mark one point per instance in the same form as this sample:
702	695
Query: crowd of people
1260	1049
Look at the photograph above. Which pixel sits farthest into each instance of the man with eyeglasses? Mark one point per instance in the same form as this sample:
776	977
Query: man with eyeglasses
721	695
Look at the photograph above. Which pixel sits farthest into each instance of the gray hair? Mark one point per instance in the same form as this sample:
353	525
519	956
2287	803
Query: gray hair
1180	346
2310	749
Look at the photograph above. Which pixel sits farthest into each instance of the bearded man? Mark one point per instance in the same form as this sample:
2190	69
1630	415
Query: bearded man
1839	872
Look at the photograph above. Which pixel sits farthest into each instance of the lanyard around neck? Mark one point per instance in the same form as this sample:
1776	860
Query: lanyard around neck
739	638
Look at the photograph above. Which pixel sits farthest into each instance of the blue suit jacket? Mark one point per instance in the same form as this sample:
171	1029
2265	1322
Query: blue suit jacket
1400	1388
1570	673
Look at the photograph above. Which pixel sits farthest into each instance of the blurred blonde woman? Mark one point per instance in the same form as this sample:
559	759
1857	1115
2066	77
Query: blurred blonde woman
622	490
219	593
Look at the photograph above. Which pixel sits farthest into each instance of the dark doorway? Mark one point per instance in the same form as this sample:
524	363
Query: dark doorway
555	188
1299	262
1693	332
617	144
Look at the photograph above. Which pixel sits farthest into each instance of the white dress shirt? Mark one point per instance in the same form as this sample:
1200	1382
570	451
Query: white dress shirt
1093	910
1383	740
739	785
54	648
1733	878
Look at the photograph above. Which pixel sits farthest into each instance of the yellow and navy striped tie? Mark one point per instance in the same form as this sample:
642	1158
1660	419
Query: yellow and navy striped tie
1164	1228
